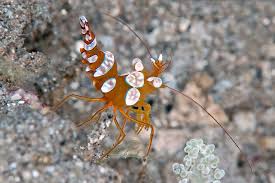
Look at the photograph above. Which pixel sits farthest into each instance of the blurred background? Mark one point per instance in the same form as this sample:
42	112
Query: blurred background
223	55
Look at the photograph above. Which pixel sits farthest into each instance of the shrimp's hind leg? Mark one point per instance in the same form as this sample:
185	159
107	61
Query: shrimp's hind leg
123	124
119	139
142	124
87	99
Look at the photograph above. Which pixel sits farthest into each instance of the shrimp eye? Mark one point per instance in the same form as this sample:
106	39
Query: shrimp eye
134	107
156	81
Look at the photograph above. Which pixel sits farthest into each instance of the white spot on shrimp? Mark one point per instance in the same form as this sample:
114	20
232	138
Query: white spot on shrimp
109	55
99	72
88	37
132	96
157	82
88	69
84	55
137	63
108	85
92	59
135	79
90	46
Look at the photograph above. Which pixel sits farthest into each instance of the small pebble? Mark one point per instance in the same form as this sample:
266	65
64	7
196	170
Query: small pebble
246	121
266	21
21	102
184	24
35	173
13	166
268	142
64	12
17	179
74	85
50	169
16	96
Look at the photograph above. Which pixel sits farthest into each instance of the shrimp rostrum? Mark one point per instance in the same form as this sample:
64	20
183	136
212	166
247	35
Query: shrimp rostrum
126	93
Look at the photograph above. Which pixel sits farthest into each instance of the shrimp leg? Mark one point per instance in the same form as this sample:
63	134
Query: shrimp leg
88	99
86	122
119	138
143	124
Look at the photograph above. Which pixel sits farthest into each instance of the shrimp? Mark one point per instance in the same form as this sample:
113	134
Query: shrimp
124	93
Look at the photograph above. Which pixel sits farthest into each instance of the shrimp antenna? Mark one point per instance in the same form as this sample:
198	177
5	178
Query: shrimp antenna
132	30
204	109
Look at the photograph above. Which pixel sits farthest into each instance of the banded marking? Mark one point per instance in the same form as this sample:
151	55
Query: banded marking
82	21
85	29
90	46
106	65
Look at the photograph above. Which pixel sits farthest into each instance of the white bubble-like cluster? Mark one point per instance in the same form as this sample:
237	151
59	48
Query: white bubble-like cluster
89	145
200	165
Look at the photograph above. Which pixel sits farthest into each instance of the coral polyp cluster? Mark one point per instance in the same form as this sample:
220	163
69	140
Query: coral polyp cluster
200	165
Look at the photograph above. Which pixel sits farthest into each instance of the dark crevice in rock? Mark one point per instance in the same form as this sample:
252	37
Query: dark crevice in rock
38	40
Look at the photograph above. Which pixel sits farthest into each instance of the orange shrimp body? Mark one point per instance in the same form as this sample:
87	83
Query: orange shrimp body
118	90
125	93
